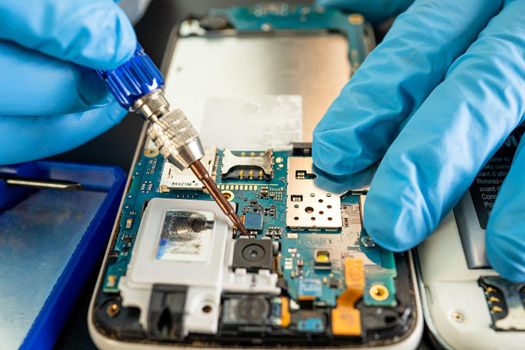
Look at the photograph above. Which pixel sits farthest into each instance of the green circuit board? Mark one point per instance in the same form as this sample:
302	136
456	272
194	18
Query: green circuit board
267	199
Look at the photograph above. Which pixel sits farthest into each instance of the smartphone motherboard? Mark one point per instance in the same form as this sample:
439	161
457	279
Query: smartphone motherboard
307	274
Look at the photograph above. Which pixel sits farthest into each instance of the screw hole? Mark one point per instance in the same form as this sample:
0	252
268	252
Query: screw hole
207	309
309	210
390	319
113	310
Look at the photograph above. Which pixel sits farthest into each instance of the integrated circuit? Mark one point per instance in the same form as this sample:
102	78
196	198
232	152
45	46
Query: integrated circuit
309	289
253	221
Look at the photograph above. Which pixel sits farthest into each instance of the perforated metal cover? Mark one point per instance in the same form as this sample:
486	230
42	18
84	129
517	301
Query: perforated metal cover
308	206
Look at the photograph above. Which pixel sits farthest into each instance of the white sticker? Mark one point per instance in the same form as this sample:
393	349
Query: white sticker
186	236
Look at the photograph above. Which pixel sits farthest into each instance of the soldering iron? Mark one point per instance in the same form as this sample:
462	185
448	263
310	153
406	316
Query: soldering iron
138	86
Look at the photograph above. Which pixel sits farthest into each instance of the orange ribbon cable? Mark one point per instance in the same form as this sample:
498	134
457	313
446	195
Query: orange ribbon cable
346	319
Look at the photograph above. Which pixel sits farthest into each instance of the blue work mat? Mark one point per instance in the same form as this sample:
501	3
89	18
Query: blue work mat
49	243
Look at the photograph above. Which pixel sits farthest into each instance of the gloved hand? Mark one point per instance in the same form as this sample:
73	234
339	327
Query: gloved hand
435	100
50	101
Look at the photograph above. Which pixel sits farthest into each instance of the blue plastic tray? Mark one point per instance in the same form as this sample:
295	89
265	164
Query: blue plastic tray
50	241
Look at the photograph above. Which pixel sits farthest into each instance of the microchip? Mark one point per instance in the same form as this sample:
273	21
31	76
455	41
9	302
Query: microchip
253	221
333	283
309	289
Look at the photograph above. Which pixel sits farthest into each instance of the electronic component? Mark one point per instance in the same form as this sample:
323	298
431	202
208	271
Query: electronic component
322	260
246	310
111	281
312	322
281	311
253	221
264	192
309	289
253	254
174	178
274	232
129	223
302	149
239	280
346	318
247	165
505	301
308	207
333	282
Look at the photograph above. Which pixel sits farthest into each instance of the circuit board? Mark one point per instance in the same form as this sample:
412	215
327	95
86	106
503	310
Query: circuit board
298	249
313	276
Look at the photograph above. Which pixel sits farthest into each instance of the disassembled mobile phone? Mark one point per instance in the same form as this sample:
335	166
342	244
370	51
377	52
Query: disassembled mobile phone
308	275
467	305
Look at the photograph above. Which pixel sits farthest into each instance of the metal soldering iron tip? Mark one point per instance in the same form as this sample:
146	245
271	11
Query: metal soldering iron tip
238	223
202	174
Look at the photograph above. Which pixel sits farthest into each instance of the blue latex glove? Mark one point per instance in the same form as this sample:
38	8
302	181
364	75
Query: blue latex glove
50	101
435	100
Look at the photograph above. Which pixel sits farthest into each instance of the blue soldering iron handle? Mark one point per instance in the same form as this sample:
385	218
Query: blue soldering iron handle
134	79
